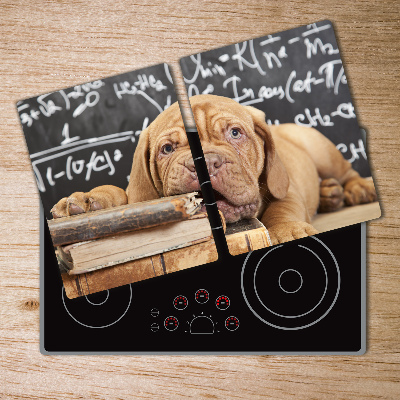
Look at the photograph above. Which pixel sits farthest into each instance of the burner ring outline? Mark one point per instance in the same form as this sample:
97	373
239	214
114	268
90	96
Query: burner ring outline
301	281
102	326
291	316
98	304
302	326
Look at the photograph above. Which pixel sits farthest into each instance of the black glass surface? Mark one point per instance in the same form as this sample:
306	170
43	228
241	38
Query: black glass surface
272	304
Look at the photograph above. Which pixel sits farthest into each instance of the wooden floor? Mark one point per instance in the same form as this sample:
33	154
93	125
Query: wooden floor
46	45
346	216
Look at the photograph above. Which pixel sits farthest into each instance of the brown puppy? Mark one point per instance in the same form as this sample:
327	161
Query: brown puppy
272	172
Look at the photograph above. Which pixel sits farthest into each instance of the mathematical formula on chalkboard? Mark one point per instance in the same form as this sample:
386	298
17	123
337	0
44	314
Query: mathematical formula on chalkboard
85	136
293	76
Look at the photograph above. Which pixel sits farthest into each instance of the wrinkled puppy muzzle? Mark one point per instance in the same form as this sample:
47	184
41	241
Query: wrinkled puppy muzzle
235	200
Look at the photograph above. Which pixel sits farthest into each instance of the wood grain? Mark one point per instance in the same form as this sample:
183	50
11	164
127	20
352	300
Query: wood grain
48	45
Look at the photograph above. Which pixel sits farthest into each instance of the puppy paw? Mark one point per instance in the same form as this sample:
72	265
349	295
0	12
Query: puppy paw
331	196
98	198
287	231
77	203
359	191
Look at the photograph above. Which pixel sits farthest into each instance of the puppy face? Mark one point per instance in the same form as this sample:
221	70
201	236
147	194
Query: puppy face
161	163
234	154
234	149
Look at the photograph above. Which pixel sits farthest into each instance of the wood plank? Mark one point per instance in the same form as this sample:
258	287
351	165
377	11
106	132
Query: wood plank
347	216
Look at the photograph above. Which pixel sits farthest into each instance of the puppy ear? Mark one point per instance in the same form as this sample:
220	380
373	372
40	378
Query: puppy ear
274	175
141	184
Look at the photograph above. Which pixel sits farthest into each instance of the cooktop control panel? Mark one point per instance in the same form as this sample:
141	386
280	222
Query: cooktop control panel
196	313
305	297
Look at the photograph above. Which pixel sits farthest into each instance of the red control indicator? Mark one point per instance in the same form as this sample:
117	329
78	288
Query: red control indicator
222	302
202	296
231	323
180	302
171	323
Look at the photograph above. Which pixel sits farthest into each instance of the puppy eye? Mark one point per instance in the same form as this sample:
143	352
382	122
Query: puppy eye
167	149
235	133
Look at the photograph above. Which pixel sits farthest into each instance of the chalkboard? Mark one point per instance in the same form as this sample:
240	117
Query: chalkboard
85	136
293	76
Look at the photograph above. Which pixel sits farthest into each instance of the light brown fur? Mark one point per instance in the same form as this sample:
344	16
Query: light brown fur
272	172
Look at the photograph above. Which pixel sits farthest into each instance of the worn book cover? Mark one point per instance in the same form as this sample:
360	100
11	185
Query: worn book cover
242	237
120	248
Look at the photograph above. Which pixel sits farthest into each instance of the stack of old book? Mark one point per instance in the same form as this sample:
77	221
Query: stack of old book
112	247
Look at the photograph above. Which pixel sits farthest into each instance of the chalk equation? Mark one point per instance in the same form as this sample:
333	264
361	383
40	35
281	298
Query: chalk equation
86	96
83	96
315	119
74	160
330	75
248	59
296	76
353	151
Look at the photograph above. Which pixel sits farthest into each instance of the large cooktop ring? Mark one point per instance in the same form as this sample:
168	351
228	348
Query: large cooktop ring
291	286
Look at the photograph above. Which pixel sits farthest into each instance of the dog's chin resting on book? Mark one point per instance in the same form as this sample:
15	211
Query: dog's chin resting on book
280	174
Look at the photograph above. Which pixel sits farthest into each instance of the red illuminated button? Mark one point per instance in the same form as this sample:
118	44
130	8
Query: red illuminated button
202	296
171	323
180	302
222	302
231	323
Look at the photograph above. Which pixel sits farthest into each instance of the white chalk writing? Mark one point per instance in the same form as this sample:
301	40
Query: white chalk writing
355	151
205	72
344	110
312	47
241	61
65	133
96	163
291	86
75	166
142	83
313	28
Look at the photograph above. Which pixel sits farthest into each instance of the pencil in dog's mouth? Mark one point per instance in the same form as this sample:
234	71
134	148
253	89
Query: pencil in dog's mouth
217	195
232	212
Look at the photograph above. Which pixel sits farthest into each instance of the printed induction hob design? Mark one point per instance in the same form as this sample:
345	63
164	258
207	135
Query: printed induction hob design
307	296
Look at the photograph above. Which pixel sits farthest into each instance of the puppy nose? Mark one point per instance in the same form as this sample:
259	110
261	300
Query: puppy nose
214	162
189	164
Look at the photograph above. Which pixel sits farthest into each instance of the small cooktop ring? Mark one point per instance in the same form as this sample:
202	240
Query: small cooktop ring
98	311
282	277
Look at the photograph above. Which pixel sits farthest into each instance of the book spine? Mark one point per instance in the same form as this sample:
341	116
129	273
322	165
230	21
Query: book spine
112	221
161	264
138	270
243	242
